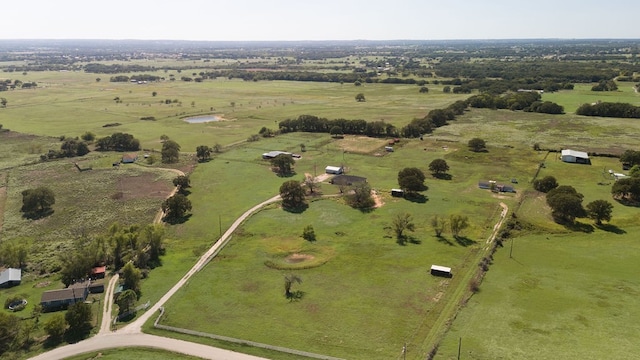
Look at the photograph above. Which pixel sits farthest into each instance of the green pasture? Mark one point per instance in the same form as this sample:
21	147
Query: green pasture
238	295
71	103
582	94
560	296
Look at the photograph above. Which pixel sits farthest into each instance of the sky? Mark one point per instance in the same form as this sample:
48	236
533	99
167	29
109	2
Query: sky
275	20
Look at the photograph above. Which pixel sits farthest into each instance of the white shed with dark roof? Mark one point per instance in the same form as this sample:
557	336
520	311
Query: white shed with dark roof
574	156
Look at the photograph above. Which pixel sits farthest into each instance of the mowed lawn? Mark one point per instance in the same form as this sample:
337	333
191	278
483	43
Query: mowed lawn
563	293
367	295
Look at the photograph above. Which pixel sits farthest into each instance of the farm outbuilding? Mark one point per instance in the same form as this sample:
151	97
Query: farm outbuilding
273	154
10	277
337	170
573	156
129	158
397	192
438	270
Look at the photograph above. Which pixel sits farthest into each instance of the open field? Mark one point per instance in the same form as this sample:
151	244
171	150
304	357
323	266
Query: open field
71	103
582	94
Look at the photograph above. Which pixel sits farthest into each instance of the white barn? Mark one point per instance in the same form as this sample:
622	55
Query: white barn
573	156
337	170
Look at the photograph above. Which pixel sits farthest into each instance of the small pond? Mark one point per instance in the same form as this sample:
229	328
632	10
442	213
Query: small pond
202	119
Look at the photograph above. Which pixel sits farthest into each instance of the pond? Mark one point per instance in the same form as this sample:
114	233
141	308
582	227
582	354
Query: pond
202	119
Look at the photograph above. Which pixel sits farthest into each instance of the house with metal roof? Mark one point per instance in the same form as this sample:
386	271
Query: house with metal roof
10	277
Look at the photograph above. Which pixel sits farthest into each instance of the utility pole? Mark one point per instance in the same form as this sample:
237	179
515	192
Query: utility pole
459	347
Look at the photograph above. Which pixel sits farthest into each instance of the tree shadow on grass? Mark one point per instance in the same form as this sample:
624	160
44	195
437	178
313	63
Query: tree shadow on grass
407	239
417	198
296	210
51	342
287	175
295	295
442	176
178	220
581	227
444	240
611	228
464	241
37	215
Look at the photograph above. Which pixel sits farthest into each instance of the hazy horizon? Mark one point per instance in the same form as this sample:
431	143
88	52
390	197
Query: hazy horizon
330	20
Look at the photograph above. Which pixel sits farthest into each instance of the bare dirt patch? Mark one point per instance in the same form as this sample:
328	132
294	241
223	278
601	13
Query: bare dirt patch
142	186
42	284
438	296
376	197
296	258
360	144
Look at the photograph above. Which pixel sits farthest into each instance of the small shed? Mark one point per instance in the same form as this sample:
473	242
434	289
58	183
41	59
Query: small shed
337	170
129	158
10	277
573	156
438	270
397	192
273	154
98	272
388	148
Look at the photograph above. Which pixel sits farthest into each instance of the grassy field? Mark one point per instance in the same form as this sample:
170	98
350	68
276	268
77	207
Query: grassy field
582	94
71	103
563	292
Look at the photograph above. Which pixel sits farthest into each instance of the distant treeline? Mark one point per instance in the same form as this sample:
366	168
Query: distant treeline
529	101
142	77
609	109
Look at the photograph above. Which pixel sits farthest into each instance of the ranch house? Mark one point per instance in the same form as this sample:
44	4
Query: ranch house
53	300
573	156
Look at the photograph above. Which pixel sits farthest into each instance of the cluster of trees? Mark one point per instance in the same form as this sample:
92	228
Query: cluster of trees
141	246
605	85
524	100
118	142
434	119
627	189
630	158
97	68
311	123
69	148
283	164
37	202
170	151
177	206
566	203
609	109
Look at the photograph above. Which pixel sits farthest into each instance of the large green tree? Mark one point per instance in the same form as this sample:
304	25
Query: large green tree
545	184
457	223
55	327
292	194
477	145
79	317
599	210
203	152
170	152
360	196
438	166
411	180
565	203
183	182
126	300
131	277
283	164
10	326
38	200
176	207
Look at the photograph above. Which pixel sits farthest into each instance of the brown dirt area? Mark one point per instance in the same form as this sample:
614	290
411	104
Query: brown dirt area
298	258
376	197
360	144
142	186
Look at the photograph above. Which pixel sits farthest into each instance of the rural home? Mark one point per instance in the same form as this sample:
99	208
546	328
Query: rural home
337	170
573	156
60	299
10	277
438	270
347	180
129	158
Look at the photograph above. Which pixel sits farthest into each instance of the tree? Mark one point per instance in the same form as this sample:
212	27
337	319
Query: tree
565	203
289	280
438	166
311	182
292	194
336	131
360	196
131	277
154	94
10	327
477	145
164	137
170	152
37	201
545	184
303	147
88	136
182	182
217	148
308	233
126	300
3	102
79	317
283	164
599	210
203	152
176	206
627	188
360	97
401	223
424	90
634	171
98	79
457	223
153	235
411	180
439	224
55	327
630	157
446	89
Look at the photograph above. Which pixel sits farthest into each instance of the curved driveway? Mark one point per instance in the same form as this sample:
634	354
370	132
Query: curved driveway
131	334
